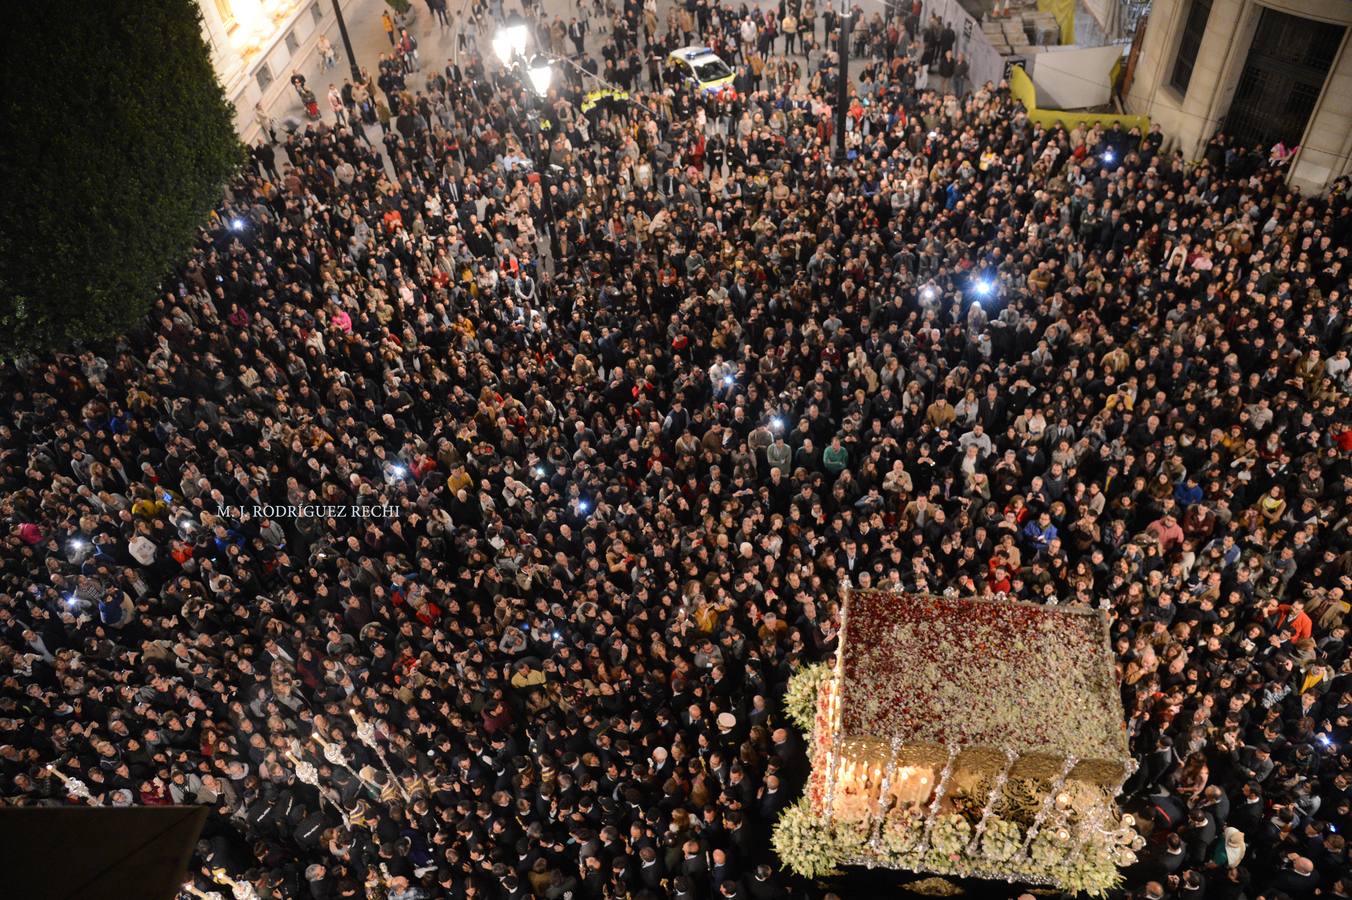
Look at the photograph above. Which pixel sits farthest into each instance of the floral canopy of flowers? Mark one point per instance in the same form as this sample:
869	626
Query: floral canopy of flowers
945	671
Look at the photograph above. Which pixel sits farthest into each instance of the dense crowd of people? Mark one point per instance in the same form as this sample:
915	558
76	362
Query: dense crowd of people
561	525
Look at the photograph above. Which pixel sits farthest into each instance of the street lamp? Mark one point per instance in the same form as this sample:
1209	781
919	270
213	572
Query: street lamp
538	73
541	74
510	42
842	80
545	173
347	42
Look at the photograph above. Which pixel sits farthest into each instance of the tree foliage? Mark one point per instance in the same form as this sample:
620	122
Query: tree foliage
116	142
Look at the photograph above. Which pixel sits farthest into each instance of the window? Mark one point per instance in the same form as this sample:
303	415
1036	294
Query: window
291	43
1193	30
225	9
317	13
263	77
712	70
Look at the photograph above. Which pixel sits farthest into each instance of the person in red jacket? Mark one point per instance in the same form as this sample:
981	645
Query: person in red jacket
1292	615
154	793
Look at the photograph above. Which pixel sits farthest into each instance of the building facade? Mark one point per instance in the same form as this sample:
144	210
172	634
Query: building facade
1262	70
257	44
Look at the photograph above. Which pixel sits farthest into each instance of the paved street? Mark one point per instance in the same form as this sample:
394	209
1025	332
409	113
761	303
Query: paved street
435	44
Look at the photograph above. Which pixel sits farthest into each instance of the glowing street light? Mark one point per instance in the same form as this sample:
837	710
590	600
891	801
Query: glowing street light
510	42
541	75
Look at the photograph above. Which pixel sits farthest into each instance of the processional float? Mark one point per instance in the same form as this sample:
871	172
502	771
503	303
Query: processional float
966	737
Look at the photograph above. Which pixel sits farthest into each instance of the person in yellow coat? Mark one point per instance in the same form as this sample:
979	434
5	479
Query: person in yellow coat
459	479
387	22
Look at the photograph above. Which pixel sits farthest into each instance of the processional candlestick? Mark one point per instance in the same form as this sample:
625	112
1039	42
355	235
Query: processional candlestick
242	890
308	774
74	786
366	733
333	753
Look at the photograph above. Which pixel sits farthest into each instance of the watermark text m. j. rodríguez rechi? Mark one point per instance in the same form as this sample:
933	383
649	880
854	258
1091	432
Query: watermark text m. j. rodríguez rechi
307	511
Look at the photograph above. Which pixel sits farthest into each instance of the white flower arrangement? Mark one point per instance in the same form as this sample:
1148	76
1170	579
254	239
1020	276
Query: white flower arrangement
951	834
800	699
1092	872
942	863
901	833
1001	840
1048	849
813	846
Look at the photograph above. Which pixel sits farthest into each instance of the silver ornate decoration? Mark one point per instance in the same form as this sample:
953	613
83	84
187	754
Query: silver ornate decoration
1047	803
366	733
997	787
939	789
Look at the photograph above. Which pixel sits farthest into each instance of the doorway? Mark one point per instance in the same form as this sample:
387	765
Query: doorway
1288	61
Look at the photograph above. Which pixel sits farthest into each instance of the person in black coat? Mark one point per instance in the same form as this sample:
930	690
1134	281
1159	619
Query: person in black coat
651	869
1216	804
1246	813
683	888
1171	860
1296	878
762	885
1199	834
309	832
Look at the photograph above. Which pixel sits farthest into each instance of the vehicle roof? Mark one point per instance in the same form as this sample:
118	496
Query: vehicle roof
694	52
